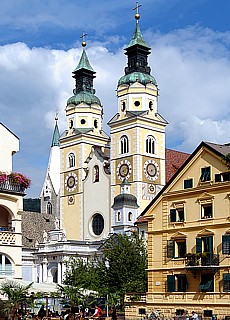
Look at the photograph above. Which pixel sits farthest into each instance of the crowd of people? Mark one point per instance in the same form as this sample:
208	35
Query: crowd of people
69	314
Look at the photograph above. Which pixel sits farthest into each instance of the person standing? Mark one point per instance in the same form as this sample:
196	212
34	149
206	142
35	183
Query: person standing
114	312
194	316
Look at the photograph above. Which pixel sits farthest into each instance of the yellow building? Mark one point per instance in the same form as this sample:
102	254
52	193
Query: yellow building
189	238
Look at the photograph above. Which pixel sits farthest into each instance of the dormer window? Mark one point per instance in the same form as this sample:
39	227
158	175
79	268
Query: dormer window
205	174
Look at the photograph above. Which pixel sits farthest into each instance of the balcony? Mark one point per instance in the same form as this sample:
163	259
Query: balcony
201	260
9	229
14	182
9	186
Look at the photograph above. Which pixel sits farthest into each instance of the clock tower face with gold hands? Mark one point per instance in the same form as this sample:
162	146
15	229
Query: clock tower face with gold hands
124	170
71	182
151	170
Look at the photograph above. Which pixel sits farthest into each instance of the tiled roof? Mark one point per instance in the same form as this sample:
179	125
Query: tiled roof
173	161
33	226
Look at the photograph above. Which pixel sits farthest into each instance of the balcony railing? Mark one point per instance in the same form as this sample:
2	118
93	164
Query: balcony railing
12	187
9	229
202	260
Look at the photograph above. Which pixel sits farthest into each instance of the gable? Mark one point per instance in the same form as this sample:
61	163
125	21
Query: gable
203	160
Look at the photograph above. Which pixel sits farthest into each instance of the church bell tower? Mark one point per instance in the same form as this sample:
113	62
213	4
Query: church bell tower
138	130
82	216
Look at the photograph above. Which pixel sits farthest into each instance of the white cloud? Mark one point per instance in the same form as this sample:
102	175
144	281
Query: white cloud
191	67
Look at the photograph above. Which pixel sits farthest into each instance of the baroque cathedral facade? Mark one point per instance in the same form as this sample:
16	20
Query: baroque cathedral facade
97	184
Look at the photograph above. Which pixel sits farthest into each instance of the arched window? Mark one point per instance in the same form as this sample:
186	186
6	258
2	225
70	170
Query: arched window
130	216
71	160
96	173
5	266
49	208
95	123
124	141
150	145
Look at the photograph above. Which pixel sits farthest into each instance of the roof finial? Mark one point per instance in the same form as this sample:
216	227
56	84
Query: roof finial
137	15
83	39
56	116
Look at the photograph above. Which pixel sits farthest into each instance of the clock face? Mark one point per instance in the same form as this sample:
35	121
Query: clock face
71	182
124	170
151	170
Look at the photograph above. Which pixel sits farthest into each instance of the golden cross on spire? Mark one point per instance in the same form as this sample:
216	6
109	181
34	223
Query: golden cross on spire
83	39
137	15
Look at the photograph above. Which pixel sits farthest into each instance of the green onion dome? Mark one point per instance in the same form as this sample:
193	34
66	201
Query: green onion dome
85	97
133	77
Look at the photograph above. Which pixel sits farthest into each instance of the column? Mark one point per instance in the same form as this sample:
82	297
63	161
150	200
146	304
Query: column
44	278
59	275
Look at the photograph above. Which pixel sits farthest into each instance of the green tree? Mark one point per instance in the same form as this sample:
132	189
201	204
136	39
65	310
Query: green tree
122	269
16	294
124	265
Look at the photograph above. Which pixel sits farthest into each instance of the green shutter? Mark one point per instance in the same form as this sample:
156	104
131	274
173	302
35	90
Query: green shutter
170	249
198	245
210	244
172	215
226	244
170	283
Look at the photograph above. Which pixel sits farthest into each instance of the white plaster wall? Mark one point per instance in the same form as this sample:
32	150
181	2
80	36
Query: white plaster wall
9	144
96	199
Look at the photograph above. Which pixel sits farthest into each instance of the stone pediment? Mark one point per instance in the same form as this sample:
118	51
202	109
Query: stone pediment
178	235
205	196
205	233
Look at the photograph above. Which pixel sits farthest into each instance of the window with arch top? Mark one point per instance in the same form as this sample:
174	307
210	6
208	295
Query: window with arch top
150	145
71	159
49	208
124	144
96	173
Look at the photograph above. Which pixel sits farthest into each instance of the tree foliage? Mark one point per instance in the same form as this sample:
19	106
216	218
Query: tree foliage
122	269
226	158
125	264
15	293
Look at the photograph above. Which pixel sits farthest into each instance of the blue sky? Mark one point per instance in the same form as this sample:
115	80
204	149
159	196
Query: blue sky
40	46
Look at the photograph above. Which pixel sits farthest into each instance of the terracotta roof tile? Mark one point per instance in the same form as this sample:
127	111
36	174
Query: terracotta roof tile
173	161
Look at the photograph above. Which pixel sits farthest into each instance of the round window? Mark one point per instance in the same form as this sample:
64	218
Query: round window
98	224
83	121
137	103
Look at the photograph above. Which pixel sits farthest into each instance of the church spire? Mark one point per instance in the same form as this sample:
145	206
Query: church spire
56	134
84	75
137	51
